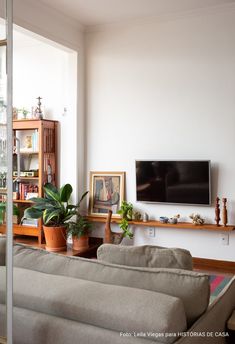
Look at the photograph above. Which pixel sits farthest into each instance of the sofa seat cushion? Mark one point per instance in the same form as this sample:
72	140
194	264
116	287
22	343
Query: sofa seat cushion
112	307
191	287
146	256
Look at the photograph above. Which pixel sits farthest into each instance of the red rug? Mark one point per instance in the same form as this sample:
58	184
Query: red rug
217	284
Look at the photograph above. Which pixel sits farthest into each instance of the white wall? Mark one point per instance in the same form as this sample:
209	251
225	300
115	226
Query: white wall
41	69
165	90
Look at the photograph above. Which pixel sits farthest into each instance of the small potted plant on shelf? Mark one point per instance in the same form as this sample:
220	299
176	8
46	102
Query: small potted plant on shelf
126	212
55	211
3	206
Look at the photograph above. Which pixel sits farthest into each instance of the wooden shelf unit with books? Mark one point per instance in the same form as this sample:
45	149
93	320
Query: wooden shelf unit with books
38	165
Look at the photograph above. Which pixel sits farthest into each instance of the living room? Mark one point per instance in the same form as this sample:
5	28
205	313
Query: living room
154	82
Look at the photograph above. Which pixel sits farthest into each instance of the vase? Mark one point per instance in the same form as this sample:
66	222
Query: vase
55	238
80	243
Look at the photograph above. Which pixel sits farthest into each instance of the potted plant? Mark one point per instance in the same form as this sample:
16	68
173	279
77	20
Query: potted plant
79	230
3	206
126	212
55	211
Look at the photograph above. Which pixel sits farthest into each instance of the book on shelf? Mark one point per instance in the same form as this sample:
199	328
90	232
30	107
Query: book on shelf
26	190
30	222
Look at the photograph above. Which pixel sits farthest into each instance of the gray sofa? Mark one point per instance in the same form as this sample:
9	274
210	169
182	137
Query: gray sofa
59	299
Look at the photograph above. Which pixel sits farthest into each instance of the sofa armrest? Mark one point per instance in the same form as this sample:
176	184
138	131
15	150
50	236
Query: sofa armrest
2	250
214	321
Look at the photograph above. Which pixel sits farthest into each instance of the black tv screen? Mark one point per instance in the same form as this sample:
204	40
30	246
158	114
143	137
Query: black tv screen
180	182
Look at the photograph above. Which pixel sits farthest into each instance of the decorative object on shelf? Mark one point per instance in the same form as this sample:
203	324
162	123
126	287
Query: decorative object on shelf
163	219
79	229
14	113
224	212
174	219
106	192
136	215
3	180
22	113
126	212
109	236
197	219
37	113
145	217
49	172
55	211
217	211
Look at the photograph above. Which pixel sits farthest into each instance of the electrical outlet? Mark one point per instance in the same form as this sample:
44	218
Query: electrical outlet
151	232
225	239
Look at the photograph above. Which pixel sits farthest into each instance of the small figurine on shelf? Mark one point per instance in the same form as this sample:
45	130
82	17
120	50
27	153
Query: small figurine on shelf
38	111
145	217
197	220
14	113
224	212
49	172
174	219
136	215
217	211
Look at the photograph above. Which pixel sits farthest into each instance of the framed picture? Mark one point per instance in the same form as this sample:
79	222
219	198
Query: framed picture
106	192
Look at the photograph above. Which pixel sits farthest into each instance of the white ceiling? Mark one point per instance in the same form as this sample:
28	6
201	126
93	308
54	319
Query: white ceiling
98	12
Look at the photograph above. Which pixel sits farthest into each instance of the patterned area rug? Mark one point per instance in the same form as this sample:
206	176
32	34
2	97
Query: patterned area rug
217	283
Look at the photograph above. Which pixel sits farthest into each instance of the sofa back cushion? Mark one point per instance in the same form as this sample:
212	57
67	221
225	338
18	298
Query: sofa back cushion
146	256
191	287
118	308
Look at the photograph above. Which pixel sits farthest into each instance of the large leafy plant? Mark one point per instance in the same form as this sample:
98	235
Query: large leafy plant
54	208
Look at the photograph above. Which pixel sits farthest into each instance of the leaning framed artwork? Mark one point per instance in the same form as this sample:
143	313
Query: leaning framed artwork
106	192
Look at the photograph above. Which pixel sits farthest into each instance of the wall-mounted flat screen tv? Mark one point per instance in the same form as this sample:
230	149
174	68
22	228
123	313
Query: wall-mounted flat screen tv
180	182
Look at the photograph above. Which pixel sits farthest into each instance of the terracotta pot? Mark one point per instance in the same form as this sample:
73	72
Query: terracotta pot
55	238
81	243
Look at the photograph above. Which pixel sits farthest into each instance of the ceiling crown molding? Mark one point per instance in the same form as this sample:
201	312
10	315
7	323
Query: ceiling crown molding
45	21
212	10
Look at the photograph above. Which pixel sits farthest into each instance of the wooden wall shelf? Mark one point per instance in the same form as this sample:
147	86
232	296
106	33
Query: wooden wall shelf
179	225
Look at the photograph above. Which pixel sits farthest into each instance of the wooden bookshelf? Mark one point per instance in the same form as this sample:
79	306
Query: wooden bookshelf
179	225
38	147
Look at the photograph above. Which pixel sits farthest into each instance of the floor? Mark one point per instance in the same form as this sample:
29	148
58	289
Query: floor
197	266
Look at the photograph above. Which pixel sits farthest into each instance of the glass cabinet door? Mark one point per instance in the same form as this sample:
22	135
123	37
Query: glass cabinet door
6	187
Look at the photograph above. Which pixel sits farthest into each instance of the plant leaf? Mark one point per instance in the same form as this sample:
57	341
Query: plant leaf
83	196
49	215
52	192
39	200
65	192
32	213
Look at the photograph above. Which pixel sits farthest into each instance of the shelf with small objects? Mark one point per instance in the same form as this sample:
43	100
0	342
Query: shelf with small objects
179	225
35	156
174	222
